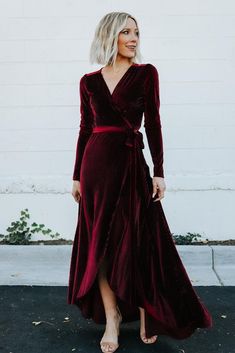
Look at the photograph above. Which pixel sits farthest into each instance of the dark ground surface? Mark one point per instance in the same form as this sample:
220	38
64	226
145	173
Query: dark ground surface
20	306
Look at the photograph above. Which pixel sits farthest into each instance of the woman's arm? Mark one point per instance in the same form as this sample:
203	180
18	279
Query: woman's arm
86	122
152	122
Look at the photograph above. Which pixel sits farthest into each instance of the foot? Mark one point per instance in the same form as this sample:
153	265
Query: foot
109	341
142	329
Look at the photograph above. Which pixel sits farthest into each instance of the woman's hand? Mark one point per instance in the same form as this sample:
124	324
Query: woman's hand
158	188
76	190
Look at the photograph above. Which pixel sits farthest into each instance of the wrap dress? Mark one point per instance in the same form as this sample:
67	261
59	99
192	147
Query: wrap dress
117	218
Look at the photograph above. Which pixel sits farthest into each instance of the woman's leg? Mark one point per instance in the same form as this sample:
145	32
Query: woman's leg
112	317
110	307
142	329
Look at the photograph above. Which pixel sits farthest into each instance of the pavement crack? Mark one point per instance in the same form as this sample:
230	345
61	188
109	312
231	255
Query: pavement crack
213	266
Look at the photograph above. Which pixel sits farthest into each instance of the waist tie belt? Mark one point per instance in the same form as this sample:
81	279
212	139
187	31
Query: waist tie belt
138	178
133	135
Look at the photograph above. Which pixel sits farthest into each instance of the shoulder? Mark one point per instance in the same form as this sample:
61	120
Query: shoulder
82	82
149	72
92	73
88	75
151	75
151	69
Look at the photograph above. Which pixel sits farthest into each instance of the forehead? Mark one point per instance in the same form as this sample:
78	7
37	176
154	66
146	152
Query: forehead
130	24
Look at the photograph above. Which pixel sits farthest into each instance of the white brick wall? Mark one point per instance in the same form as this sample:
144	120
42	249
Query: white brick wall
44	52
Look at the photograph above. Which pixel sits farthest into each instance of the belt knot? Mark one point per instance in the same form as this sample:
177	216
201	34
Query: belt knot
134	136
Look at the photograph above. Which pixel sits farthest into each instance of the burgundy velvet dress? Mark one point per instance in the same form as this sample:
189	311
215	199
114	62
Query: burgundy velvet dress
117	218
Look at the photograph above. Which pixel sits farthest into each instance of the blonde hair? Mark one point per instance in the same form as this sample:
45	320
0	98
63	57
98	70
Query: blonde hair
104	48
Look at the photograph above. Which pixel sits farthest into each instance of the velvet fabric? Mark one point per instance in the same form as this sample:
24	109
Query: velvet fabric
117	219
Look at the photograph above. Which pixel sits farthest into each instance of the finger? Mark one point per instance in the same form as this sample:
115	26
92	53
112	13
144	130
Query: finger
160	196
155	190
76	196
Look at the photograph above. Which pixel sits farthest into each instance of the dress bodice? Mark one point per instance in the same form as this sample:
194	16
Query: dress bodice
135	94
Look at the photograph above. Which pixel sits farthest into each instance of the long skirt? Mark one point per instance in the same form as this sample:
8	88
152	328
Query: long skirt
118	222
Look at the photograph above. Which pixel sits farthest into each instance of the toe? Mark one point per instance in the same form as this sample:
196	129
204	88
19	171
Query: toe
149	340
104	347
109	348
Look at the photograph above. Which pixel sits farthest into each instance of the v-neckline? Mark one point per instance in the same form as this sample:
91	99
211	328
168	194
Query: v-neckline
118	83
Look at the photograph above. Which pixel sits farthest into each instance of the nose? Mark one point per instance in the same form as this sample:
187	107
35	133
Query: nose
132	42
133	38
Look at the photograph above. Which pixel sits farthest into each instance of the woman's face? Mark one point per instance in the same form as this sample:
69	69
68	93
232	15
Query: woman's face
128	39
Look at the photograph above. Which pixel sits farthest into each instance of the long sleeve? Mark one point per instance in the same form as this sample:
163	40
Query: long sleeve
86	121
152	121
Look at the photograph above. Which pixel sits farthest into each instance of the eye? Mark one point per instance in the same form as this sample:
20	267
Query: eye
137	33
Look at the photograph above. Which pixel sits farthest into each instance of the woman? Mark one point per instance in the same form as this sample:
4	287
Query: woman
124	263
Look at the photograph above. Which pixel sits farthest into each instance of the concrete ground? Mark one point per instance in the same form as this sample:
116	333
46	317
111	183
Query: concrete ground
48	265
35	318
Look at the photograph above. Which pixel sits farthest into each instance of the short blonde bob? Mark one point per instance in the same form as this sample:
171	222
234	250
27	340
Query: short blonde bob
104	48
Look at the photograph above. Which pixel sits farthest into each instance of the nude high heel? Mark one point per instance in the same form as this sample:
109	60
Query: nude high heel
112	346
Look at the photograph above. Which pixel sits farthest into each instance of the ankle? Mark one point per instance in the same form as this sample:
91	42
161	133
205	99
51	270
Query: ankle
112	314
